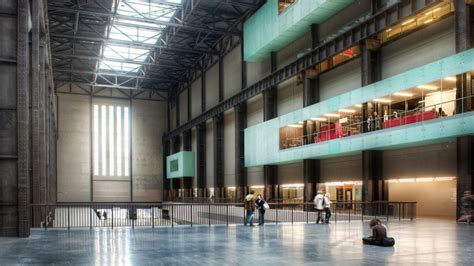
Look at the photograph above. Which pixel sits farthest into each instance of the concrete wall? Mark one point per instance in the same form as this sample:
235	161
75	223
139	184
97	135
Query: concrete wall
212	86
433	199
423	47
209	154
340	80
149	124
257	71
290	96
232	72
74	152
292	173
196	101
183	107
255	116
229	148
438	160
347	168
290	52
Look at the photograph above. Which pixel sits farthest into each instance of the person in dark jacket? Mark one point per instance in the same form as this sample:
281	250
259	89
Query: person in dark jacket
261	209
249	208
379	233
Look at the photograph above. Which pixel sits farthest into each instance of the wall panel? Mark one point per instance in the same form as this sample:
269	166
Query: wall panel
196	101
232	72
425	46
229	149
212	86
340	80
209	154
290	96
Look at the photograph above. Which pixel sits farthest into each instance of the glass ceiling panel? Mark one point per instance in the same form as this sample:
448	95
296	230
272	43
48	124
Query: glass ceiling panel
127	30
123	52
119	67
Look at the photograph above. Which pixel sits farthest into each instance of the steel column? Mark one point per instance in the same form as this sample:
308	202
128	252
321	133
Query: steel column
201	159
270	111
166	181
372	175
218	137
187	146
23	119
465	170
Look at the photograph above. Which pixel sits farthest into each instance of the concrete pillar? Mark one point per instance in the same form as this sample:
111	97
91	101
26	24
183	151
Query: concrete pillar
270	111
201	160
166	181
372	175
218	137
465	169
464	19
372	186
187	181
240	112
311	95
175	182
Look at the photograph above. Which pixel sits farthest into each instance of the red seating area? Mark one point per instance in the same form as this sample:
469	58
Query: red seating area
328	132
410	119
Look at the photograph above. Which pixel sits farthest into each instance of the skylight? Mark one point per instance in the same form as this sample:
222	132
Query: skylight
124	29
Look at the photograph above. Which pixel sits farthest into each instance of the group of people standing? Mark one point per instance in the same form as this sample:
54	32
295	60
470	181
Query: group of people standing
251	204
322	203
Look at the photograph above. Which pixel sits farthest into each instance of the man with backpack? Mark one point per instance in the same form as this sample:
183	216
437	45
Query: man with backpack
249	208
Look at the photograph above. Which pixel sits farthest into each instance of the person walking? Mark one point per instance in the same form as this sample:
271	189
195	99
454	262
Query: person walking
319	206
249	208
261	209
327	207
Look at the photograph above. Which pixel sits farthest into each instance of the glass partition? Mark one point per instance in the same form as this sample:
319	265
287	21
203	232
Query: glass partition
434	100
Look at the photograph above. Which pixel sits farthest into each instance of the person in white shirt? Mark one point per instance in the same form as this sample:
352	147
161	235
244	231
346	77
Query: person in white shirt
327	207
319	206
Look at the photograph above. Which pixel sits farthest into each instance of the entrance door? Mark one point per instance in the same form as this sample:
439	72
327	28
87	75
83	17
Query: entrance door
340	196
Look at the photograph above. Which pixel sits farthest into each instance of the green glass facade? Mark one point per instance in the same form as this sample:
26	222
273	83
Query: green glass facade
262	140
181	164
267	31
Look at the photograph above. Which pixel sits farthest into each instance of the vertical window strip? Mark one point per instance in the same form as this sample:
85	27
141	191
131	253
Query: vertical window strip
119	141
111	141
126	121
96	139
103	139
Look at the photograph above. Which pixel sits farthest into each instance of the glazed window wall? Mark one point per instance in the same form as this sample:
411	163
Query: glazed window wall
433	100
431	15
284	4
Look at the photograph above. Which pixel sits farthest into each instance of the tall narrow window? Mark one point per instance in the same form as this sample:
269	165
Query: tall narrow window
96	139
111	140
126	133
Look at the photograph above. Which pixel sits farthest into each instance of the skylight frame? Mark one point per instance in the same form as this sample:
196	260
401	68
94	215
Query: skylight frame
135	31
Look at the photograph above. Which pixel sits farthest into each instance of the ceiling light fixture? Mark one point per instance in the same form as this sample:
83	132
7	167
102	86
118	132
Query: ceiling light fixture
382	100
347	111
358	105
450	79
404	94
295	126
318	119
332	115
428	87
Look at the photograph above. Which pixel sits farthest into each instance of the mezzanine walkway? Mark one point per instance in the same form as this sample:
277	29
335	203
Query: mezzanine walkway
421	241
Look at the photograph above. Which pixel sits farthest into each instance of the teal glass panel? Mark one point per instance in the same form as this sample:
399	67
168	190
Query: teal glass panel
262	141
181	164
267	31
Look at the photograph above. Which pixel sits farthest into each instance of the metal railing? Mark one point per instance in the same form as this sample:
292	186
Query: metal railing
92	215
381	122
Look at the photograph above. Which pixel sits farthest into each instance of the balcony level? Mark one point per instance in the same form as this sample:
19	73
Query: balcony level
425	105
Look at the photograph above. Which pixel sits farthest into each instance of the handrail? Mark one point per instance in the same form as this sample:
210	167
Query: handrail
380	119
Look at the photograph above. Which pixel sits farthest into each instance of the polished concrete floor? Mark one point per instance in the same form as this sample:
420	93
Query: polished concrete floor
419	242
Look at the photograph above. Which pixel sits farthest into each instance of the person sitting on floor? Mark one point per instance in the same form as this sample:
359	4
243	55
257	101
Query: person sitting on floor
379	235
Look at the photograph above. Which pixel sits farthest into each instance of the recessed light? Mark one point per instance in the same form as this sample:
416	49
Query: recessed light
404	94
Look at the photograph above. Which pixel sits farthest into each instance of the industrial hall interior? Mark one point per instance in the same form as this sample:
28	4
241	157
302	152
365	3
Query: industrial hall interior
236	132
